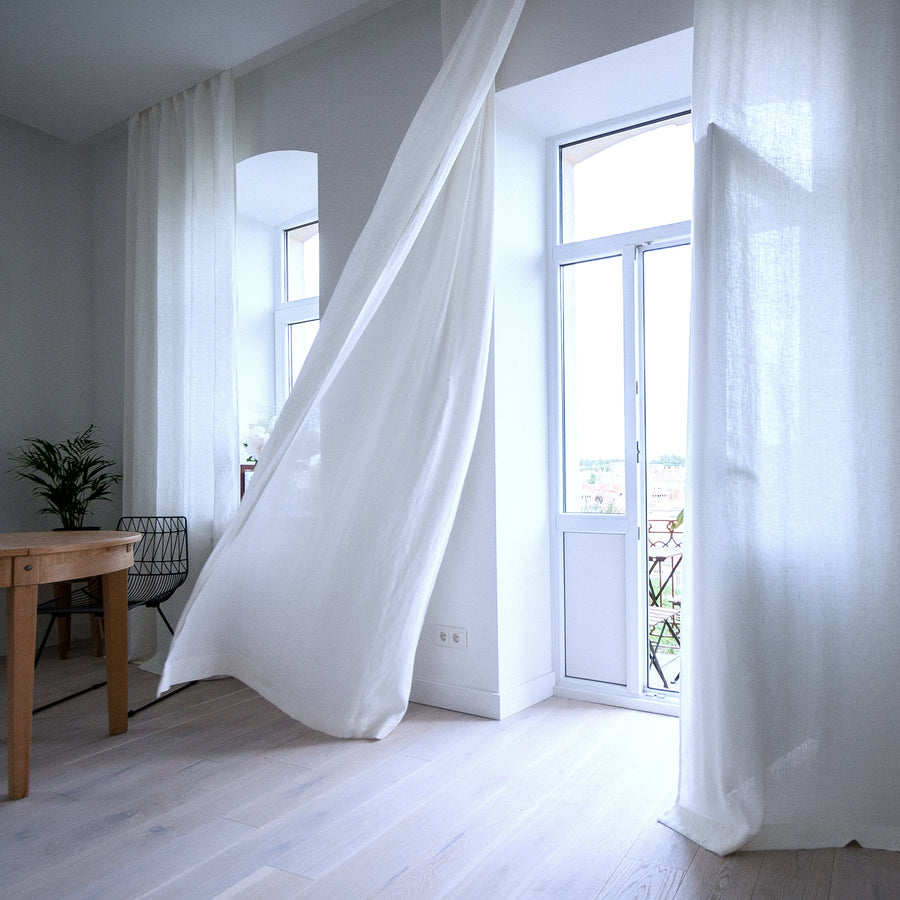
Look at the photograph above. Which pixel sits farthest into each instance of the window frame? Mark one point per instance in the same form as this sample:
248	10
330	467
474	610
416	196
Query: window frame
608	134
629	245
288	312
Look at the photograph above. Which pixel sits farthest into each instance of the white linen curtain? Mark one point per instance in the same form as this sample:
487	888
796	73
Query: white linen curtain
316	594
790	707
181	432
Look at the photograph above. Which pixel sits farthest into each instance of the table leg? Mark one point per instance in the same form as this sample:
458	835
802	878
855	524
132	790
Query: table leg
21	624
115	621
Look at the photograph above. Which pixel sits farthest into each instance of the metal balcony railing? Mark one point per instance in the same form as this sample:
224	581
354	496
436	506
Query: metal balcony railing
665	537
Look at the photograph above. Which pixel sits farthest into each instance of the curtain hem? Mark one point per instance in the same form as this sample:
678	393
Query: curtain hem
246	670
787	836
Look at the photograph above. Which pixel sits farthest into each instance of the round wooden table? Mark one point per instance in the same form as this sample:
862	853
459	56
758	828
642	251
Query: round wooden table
29	559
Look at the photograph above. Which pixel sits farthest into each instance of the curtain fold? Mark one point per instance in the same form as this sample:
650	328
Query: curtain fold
790	712
180	410
316	594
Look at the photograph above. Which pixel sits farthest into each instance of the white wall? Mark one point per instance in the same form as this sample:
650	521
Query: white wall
495	579
521	427
465	595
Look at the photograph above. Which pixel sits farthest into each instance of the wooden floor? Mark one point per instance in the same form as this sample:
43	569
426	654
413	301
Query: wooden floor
215	793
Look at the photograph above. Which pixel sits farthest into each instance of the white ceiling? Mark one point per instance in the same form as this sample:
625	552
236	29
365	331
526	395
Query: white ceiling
73	68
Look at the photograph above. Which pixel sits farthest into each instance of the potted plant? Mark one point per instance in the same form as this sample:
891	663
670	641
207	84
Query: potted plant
69	475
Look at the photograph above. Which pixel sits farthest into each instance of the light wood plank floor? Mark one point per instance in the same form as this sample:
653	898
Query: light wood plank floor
215	793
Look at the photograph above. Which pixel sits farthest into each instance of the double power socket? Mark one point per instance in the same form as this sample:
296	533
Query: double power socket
450	636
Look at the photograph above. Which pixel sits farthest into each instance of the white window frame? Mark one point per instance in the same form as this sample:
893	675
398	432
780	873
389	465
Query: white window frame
288	312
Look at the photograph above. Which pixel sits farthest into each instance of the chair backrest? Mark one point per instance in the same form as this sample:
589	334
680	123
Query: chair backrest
160	557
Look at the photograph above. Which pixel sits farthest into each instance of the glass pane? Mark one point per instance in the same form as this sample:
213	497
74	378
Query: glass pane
667	292
632	179
593	385
299	339
301	247
667	297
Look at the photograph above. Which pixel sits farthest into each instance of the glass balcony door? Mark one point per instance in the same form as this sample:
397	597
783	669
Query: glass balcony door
665	292
621	258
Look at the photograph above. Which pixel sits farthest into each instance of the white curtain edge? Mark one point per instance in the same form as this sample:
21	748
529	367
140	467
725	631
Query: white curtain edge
456	70
789	836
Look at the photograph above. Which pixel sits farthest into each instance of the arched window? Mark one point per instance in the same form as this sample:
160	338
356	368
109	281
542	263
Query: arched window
277	277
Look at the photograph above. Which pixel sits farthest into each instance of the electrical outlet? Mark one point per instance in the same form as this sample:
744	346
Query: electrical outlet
450	636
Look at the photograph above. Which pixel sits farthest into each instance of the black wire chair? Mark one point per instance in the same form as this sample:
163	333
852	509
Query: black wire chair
160	568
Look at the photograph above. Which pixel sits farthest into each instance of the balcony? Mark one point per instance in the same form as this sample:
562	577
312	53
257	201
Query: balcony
665	537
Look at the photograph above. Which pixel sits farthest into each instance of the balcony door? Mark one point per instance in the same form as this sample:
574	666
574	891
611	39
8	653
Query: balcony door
622	266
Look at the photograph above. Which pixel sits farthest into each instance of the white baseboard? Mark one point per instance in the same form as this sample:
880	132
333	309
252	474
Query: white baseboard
476	702
513	700
473	701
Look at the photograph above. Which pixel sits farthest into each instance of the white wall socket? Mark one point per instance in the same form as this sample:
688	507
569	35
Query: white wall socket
450	636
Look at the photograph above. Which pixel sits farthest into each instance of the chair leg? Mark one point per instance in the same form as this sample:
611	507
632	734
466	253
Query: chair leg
61	592
40	649
65	636
171	693
165	620
80	693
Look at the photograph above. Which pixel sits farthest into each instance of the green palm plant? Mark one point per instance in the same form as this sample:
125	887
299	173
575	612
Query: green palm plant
69	475
676	523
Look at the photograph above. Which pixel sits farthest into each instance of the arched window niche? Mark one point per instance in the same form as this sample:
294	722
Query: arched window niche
276	274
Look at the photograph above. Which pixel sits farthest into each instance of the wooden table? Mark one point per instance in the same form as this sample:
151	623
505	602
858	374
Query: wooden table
28	559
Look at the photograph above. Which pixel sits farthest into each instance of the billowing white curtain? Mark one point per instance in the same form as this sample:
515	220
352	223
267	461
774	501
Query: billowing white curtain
316	594
790	706
181	430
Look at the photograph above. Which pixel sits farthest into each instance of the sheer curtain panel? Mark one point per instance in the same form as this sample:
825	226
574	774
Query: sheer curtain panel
181	433
790	706
316	594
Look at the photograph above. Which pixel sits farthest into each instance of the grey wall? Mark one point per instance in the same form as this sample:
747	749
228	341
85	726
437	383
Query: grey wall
106	173
46	365
62	215
556	34
348	98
